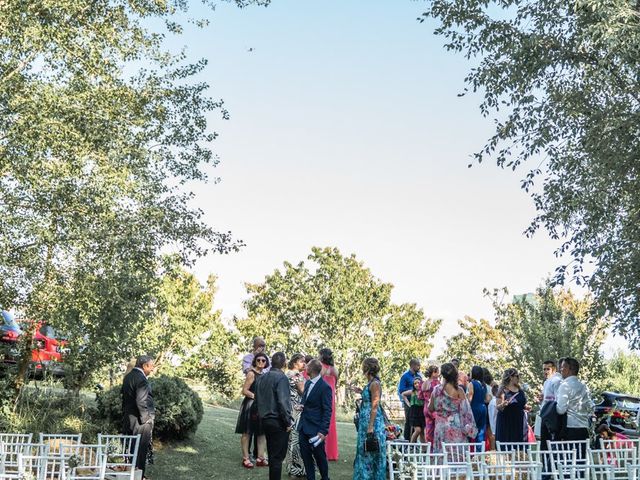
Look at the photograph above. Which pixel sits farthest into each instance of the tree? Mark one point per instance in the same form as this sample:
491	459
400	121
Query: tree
479	343
562	79
99	129
335	301
550	325
623	373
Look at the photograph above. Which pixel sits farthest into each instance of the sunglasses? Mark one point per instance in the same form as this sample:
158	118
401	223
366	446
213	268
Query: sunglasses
261	360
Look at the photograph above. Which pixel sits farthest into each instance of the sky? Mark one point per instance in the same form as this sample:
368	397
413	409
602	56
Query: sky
347	130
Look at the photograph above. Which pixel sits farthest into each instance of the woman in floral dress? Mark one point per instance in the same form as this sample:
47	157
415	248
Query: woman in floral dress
371	465
295	465
454	422
431	382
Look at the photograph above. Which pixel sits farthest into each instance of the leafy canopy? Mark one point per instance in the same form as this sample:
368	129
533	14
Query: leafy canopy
561	77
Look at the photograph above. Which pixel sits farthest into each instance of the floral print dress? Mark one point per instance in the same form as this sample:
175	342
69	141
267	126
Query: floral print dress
370	465
454	422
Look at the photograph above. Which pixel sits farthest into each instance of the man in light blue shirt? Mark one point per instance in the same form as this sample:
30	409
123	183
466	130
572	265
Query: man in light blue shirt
406	383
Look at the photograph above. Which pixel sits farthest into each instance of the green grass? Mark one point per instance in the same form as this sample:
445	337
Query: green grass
214	452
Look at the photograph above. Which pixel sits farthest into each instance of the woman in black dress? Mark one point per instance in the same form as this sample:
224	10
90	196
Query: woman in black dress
248	423
511	424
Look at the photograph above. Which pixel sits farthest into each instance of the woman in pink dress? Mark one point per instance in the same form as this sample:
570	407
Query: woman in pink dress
330	375
431	382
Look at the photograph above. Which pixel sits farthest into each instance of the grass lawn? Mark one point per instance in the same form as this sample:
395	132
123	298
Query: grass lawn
214	452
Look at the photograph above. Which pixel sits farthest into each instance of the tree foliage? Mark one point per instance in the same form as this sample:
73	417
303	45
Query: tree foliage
623	373
335	301
562	79
100	127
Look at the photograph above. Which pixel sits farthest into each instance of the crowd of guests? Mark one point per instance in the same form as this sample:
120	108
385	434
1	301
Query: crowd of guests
288	414
449	406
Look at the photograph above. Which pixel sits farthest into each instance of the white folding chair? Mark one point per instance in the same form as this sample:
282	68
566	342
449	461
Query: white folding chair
42	467
587	471
521	451
407	464
529	471
557	461
581	447
12	450
456	454
625	443
618	458
633	472
122	452
477	459
84	462
441	472
56	440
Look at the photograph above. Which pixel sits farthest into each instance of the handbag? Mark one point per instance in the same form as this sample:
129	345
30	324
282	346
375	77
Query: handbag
371	443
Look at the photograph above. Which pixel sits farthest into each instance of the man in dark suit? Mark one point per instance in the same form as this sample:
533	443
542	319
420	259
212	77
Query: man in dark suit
314	421
273	398
137	407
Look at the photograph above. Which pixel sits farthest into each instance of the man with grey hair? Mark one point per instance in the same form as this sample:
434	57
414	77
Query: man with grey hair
259	346
138	410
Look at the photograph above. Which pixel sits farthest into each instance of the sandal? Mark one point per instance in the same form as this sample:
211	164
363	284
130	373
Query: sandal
262	462
246	463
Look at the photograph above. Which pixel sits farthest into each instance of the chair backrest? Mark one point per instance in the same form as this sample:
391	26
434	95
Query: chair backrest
581	447
56	440
633	472
12	450
618	458
441	472
121	452
622	443
587	471
8	438
511	471
557	459
477	459
456	453
84	461
47	467
521	451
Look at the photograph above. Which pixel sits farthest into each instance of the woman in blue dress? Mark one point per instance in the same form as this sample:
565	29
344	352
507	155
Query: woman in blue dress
479	398
371	465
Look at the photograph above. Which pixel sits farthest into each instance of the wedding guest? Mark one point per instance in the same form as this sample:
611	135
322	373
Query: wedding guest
274	410
479	397
371	464
552	382
295	465
248	423
330	375
454	422
259	346
415	400
573	398
313	426
492	413
431	382
463	378
406	383
511	423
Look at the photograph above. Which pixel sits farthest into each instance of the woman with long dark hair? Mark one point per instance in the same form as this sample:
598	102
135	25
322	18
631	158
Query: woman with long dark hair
454	422
295	465
511	424
479	397
330	375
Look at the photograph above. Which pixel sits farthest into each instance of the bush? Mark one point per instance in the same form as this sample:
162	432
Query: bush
50	411
178	408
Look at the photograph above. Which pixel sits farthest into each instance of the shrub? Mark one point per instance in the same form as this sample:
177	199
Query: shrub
178	408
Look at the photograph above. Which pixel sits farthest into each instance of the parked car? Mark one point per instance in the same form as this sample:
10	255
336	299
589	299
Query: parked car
48	347
620	412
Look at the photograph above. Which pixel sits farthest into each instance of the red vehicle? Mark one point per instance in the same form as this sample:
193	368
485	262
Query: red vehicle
47	351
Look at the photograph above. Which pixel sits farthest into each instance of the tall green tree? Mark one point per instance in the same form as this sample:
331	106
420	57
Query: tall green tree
623	373
100	129
335	301
550	325
479	343
561	78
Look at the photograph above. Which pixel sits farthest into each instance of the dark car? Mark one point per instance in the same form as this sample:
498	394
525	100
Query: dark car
620	412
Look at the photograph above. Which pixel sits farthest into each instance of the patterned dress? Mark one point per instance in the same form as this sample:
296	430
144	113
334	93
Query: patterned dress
428	387
295	466
454	422
370	465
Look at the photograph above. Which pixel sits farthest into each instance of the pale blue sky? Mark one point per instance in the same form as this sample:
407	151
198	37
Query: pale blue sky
346	130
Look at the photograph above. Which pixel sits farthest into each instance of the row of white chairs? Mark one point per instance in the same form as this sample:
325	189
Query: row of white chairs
64	457
515	460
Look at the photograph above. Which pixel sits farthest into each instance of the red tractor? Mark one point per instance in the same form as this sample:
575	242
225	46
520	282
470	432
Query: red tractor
46	355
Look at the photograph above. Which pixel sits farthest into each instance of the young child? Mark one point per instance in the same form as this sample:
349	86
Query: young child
413	399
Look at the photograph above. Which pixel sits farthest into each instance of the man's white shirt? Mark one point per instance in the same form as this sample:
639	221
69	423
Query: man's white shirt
312	384
573	399
549	394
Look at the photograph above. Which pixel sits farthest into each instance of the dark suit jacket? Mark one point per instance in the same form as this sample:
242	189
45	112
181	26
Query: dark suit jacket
316	414
137	400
